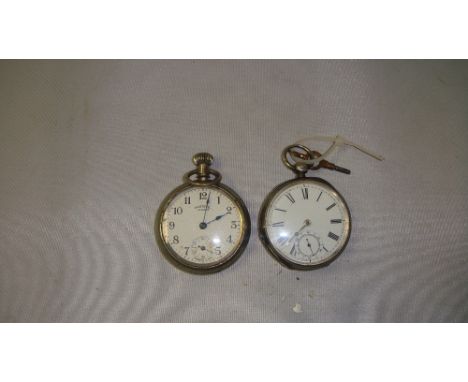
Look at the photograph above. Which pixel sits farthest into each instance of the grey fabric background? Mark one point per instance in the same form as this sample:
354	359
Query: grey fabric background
88	149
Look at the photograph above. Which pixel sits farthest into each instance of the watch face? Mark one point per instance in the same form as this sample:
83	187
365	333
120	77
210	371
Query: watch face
304	223
203	227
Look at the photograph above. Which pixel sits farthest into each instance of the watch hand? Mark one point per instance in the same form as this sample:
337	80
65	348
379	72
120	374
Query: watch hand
310	247
306	223
203	248
217	218
202	225
206	208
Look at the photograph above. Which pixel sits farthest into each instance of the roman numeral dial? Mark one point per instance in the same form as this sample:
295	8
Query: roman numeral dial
305	223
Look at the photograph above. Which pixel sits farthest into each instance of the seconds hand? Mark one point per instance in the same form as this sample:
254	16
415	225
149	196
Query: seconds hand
310	247
203	224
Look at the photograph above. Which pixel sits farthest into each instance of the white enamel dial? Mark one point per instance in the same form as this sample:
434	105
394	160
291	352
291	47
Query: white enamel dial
306	222
202	226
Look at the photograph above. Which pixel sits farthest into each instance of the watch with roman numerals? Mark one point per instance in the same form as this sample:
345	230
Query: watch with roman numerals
304	222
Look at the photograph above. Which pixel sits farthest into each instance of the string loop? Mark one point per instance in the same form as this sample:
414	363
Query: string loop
299	158
337	141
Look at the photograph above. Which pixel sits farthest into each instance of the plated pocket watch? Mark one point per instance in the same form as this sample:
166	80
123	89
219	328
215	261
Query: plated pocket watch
202	226
304	222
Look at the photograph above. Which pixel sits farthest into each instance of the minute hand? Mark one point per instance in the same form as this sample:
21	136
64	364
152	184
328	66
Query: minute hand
206	207
306	223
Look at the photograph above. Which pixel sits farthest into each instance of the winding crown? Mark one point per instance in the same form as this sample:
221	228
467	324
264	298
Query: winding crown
202	158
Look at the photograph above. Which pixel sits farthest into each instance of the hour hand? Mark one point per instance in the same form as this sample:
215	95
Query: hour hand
217	218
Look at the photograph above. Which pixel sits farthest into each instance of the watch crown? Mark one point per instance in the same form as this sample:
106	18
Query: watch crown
202	158
301	168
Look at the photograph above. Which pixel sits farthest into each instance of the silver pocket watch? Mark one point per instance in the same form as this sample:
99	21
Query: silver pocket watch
304	222
202	226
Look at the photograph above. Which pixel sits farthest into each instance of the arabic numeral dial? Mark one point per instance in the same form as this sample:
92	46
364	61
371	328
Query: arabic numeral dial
202	225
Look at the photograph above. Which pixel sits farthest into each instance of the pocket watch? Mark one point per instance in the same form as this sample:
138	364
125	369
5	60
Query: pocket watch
304	222
202	226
